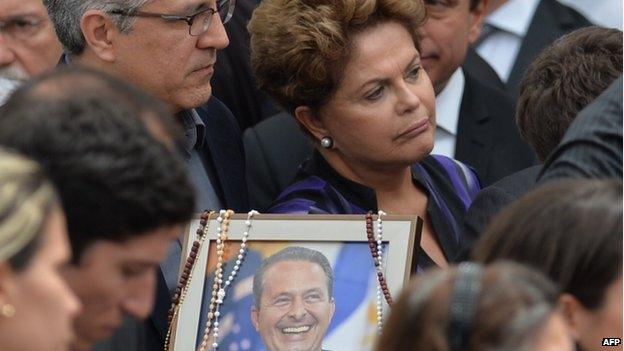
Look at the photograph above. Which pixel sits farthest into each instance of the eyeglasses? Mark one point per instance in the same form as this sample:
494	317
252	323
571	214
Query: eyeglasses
20	28
198	22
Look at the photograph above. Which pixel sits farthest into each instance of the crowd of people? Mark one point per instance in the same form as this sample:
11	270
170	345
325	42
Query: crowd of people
498	122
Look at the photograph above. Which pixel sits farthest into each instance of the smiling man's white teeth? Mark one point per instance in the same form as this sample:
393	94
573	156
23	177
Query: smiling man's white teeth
294	330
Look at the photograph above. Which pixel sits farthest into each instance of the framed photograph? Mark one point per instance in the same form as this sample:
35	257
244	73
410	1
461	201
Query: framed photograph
291	281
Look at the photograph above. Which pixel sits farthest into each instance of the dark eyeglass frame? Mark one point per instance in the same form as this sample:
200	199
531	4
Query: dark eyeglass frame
188	19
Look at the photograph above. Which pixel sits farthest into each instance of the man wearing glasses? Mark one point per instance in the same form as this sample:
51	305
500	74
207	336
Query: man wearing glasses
28	45
168	48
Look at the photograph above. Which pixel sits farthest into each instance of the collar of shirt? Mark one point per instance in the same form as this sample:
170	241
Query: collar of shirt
448	102
195	130
514	16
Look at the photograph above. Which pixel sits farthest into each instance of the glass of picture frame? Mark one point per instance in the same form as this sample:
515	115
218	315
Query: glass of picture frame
340	239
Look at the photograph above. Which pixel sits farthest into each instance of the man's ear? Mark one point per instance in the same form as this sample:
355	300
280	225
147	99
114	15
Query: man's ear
573	312
254	318
98	31
312	123
476	21
332	308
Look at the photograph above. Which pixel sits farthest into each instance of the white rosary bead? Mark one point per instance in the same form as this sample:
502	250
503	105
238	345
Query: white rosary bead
222	293
379	268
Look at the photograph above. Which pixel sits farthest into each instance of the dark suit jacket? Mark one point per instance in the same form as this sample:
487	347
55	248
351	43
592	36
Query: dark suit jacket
550	21
130	337
477	67
275	148
487	137
233	81
493	198
224	152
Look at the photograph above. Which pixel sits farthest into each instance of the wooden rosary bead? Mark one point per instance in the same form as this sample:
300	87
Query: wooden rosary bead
372	244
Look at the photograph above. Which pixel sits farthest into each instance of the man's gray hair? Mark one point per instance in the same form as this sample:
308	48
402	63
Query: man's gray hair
67	14
292	253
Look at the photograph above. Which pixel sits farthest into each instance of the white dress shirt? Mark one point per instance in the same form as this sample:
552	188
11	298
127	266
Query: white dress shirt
511	22
606	13
7	86
447	104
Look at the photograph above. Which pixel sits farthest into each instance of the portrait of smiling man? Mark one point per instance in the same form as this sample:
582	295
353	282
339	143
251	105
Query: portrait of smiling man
167	48
294	304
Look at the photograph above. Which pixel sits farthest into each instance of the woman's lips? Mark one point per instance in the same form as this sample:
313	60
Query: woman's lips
415	129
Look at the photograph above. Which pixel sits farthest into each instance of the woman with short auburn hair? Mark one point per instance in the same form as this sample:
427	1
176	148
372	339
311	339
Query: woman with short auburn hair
349	71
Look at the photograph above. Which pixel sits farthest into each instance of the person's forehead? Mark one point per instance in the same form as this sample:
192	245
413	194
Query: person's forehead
146	248
9	8
292	268
180	5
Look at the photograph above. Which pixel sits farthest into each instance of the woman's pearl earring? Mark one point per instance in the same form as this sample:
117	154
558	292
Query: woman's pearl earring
327	142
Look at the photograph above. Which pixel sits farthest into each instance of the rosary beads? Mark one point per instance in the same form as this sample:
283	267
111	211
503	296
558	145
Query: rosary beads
181	289
376	248
220	285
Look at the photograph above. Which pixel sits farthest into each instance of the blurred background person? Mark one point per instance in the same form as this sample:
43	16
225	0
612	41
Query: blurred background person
515	31
37	306
28	43
475	123
351	74
571	230
503	306
126	194
565	78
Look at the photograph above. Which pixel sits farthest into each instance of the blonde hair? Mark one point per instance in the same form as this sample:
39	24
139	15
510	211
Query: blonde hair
26	196
299	47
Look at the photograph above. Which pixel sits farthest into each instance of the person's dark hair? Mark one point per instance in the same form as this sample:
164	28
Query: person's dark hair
26	199
562	80
571	230
512	305
91	134
292	253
